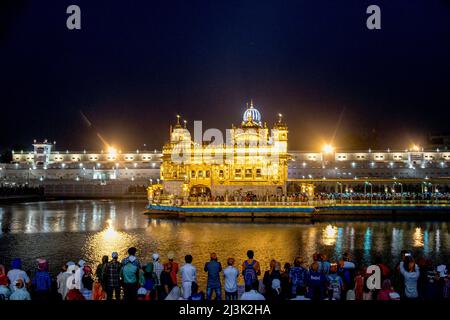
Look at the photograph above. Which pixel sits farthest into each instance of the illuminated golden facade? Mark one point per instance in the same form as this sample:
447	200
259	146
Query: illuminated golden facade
252	159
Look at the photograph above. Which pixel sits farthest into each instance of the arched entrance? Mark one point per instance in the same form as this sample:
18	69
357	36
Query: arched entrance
200	190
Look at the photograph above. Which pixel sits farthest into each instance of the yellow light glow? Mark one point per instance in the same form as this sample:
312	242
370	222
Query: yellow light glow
328	148
112	151
415	148
329	235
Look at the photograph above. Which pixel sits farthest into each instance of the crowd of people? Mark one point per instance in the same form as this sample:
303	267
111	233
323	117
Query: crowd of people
20	190
131	280
324	196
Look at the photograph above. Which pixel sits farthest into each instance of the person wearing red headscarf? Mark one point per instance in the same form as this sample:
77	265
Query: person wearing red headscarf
5	292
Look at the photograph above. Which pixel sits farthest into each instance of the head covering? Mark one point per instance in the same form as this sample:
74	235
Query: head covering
276	284
442	269
3	280
114	255
155	256
174	294
170	255
72	268
81	263
70	263
142	291
87	269
42	264
386	284
16	263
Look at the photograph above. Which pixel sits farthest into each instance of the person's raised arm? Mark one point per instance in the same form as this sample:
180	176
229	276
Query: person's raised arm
402	269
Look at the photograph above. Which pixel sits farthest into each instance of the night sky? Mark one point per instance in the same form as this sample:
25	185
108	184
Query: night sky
135	64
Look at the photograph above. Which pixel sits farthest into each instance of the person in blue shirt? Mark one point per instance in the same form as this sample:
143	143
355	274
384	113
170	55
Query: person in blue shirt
316	283
213	268
335	283
298	275
42	281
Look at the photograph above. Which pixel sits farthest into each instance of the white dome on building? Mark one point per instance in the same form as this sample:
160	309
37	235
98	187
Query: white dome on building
253	114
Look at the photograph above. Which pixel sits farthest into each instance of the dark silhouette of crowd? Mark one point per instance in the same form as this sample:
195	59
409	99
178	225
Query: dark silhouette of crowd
20	190
321	279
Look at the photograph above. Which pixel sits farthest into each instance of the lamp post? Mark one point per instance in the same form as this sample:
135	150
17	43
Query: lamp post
371	189
340	184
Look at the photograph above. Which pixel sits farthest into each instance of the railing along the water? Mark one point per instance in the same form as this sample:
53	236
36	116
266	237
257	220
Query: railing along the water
314	203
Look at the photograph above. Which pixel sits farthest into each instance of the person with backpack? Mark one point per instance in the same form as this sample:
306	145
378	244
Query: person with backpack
297	276
250	269
130	275
335	283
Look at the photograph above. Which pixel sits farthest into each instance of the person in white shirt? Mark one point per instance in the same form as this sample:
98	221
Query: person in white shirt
251	292
16	273
230	276
79	274
188	275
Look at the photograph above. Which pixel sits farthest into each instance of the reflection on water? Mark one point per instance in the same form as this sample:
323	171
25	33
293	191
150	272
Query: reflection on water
69	230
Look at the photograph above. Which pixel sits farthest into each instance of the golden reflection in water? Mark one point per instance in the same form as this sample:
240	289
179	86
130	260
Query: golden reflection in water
438	240
107	241
329	235
418	237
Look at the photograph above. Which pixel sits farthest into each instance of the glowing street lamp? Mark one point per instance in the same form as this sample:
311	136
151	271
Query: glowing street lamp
112	151
327	148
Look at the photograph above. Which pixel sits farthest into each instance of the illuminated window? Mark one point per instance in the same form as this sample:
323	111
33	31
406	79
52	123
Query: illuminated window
248	173
220	173
207	173
258	173
200	174
237	173
192	174
174	174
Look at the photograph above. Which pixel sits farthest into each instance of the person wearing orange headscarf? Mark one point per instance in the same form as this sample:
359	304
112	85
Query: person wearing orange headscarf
97	292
